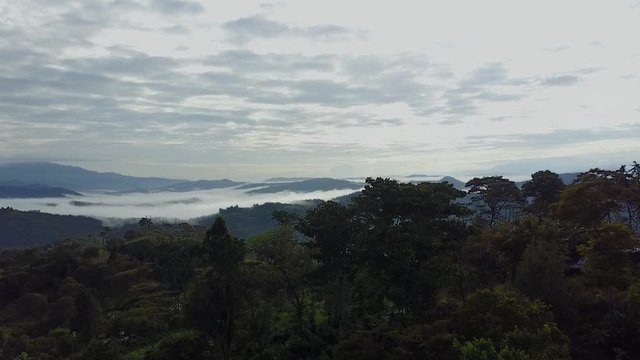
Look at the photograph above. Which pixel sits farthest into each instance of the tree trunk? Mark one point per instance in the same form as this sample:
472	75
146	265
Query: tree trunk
227	336
612	308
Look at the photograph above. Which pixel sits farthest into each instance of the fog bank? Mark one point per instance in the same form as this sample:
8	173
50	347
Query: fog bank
172	205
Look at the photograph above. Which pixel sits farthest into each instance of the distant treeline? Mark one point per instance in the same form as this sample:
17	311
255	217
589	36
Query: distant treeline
401	271
30	228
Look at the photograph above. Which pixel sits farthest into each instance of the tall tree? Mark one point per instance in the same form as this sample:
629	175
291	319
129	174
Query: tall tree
543	188
213	305
608	261
328	227
540	274
597	196
400	229
512	322
87	315
290	263
500	197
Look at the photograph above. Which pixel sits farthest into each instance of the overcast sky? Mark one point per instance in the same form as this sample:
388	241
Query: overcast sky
249	90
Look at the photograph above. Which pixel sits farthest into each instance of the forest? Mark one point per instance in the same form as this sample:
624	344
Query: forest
547	270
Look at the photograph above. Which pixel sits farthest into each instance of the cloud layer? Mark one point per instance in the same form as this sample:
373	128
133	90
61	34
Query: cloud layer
182	206
252	90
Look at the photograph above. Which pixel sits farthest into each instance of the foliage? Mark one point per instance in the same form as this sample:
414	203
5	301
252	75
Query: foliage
544	188
499	197
32	228
402	271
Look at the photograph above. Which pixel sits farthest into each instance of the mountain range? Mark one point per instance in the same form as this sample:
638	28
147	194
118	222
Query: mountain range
28	228
57	180
76	178
49	180
44	179
34	191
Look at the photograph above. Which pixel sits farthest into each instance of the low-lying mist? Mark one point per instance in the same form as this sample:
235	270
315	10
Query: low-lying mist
168	205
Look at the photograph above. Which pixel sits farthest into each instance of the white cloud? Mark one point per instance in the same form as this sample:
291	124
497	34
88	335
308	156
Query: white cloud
182	206
312	88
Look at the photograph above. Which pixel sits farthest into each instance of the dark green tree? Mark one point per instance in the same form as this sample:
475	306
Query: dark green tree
600	196
497	197
214	303
540	274
543	189
87	316
290	264
400	229
608	264
328	227
511	321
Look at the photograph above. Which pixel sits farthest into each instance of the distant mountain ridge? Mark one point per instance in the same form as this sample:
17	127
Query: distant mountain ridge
60	180
458	184
421	176
73	179
34	191
567	179
196	185
310	185
29	228
77	178
287	179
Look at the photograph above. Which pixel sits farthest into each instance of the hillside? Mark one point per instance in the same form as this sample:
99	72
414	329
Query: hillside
34	191
29	228
246	222
453	181
434	277
200	185
77	178
310	185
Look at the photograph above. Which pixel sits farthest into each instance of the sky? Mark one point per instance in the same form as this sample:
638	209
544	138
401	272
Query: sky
255	89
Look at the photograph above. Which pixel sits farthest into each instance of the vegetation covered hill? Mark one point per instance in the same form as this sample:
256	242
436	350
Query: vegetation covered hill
76	178
33	191
403	271
255	220
79	179
200	185
29	228
303	186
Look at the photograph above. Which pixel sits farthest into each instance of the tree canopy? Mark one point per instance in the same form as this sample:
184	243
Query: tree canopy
402	271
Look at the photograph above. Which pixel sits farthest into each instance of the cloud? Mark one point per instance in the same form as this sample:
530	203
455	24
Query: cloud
183	206
131	101
520	169
157	82
485	84
558	48
246	61
557	138
324	32
487	74
561	80
134	63
245	29
256	25
129	105
173	7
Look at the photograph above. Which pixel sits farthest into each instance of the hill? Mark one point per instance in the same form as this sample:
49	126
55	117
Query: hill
187	186
304	186
251	221
77	178
29	228
567	179
453	181
287	179
33	191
